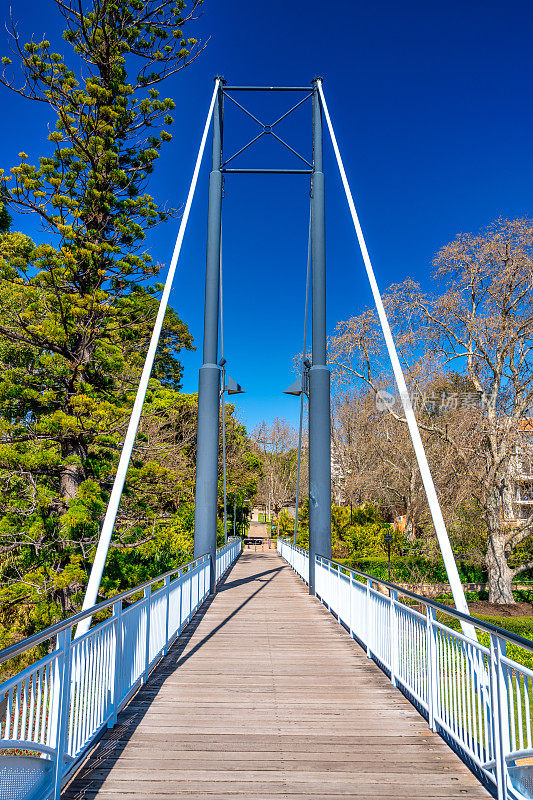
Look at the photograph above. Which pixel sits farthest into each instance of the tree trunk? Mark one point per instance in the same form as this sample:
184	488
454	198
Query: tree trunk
499	573
72	474
410	522
73	446
409	531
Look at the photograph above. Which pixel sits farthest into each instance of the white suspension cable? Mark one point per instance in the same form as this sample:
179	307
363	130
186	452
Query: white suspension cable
427	479
118	485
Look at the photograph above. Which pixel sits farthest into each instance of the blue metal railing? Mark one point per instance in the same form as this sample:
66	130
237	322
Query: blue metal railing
60	705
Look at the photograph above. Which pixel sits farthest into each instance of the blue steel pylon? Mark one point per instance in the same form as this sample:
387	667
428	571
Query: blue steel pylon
319	375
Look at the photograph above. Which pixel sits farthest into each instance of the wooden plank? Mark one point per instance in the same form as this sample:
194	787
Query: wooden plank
264	696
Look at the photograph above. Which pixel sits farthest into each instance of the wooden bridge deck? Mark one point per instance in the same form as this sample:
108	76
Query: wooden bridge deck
266	696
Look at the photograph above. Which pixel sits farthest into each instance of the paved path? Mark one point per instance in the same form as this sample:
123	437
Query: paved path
267	697
258	530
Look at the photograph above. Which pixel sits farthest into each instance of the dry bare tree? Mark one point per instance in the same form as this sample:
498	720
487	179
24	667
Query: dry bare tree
380	464
479	320
277	447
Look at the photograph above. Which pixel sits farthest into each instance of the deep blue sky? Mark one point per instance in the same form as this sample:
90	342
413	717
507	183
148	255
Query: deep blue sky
432	105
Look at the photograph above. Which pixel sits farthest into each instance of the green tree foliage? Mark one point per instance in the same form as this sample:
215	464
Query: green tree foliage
244	467
286	524
302	539
58	455
359	532
76	312
355	533
5	217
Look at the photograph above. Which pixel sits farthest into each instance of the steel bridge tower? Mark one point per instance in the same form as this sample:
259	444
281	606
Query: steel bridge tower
319	374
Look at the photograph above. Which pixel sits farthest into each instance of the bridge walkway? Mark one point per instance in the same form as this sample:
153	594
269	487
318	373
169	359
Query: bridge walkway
266	696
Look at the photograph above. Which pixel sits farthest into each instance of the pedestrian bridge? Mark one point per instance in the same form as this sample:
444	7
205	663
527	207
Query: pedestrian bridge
263	691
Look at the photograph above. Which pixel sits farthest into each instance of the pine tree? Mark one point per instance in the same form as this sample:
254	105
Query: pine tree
76	311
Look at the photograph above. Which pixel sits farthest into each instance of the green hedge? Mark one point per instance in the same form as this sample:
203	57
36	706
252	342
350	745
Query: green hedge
408	569
522	626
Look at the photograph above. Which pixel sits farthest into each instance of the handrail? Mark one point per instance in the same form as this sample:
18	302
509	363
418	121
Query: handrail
488	627
515	638
224	556
476	695
61	703
37	638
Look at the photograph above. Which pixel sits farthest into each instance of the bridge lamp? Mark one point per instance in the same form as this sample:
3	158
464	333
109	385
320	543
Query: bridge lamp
301	384
232	387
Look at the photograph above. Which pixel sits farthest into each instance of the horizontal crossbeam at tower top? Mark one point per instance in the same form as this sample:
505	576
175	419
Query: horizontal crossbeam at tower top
266	88
267	129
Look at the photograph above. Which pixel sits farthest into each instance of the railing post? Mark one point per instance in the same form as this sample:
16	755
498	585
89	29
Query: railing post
63	696
117	616
338	594
431	666
148	598
190	587
167	613
368	618
394	669
500	713
180	606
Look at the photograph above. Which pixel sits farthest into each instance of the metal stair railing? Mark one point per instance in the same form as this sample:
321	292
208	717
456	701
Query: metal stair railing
59	706
473	693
